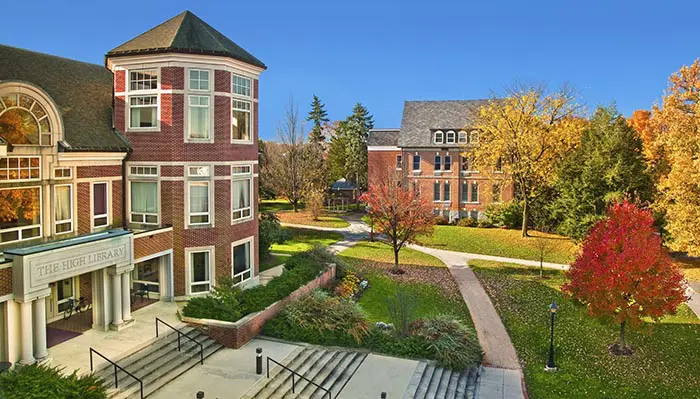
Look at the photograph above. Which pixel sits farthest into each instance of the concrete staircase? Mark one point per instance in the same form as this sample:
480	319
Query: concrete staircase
156	364
432	382
329	368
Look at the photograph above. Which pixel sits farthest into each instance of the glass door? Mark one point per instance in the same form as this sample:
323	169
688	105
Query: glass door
146	278
60	299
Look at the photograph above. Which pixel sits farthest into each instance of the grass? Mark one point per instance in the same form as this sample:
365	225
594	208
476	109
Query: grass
304	239
276	205
500	242
271	261
306	219
381	252
665	365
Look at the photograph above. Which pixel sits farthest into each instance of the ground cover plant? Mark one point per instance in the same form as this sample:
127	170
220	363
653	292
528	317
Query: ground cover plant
663	365
301	240
41	381
306	218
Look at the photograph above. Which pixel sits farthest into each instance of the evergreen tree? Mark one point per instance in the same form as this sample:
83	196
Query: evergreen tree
318	116
607	167
355	130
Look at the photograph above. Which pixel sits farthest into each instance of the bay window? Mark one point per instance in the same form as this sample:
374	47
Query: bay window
100	205
242	259
241	85
144	202
241	189
199	120
63	208
199	79
21	214
143	99
240	120
199	195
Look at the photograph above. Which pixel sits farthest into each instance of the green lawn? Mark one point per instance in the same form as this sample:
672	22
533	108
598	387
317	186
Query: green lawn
666	363
380	252
305	218
271	261
276	205
500	242
304	239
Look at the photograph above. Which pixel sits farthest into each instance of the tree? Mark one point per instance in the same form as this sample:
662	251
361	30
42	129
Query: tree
353	132
336	151
397	212
676	130
286	160
265	187
623	272
544	247
527	133
607	166
318	116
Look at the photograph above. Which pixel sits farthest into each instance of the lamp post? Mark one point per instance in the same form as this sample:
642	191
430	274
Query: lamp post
550	362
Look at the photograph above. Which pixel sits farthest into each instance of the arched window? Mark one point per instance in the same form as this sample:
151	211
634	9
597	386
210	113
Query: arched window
474	136
25	119
462	137
450	137
438	137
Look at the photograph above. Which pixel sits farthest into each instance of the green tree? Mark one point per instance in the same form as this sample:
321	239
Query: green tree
606	167
318	116
355	130
336	152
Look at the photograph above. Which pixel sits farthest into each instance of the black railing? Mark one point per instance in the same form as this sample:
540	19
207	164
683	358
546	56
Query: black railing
181	334
269	359
116	366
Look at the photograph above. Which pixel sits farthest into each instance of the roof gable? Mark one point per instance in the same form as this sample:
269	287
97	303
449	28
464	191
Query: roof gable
185	33
383	138
420	118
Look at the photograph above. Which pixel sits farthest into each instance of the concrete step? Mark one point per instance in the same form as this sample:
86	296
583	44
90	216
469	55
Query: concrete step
270	386
325	377
311	374
432	382
346	373
286	375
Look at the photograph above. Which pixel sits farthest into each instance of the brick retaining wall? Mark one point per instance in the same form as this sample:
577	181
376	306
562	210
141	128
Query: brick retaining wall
236	334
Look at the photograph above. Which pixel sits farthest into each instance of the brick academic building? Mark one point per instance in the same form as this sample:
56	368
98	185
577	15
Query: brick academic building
428	152
136	176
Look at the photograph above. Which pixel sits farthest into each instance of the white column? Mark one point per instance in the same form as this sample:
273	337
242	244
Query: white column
126	297
116	300
40	351
25	316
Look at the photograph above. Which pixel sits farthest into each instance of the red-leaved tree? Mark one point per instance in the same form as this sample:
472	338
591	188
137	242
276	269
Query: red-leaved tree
397	212
624	272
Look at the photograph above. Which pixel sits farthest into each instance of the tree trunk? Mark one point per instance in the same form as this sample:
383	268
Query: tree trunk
294	205
541	267
524	228
623	343
396	259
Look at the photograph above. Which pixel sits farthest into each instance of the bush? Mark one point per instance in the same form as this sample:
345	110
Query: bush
349	285
41	381
484	223
222	304
454	345
441	221
467	222
508	214
270	233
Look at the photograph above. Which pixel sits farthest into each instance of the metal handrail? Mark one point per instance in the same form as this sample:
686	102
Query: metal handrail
328	392
116	366
179	334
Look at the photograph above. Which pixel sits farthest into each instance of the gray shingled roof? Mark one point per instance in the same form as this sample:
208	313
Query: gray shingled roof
383	137
82	92
421	117
185	33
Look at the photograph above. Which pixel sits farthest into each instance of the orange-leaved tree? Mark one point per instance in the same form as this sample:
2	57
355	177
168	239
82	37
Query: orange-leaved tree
623	272
397	212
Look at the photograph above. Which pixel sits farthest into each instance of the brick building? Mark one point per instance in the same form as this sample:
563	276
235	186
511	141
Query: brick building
136	176
428	153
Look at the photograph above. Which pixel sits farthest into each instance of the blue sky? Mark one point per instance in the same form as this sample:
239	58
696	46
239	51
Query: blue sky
384	52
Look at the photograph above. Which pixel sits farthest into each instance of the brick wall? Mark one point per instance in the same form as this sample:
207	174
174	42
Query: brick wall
6	280
235	335
152	244
84	207
86	286
87	172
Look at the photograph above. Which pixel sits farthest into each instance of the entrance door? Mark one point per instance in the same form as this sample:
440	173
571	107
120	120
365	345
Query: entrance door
61	294
147	274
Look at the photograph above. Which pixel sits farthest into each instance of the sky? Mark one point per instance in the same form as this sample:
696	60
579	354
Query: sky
381	53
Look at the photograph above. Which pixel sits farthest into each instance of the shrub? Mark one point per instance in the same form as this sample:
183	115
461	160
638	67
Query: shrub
441	221
467	222
454	345
41	381
222	304
484	223
508	214
348	286
270	233
401	309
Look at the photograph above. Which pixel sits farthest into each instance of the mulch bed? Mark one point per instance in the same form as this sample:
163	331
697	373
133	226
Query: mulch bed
437	276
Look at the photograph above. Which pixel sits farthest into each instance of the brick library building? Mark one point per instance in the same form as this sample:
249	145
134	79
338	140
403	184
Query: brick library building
126	183
429	153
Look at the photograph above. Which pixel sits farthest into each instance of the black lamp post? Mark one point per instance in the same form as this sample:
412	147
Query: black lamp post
550	362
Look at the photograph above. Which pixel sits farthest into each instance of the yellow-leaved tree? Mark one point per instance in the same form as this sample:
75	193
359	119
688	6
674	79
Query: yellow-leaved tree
526	134
677	131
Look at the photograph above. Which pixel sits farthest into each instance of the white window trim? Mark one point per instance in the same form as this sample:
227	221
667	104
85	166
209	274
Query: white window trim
471	188
188	269
211	80
31	226
108	215
413	163
188	118
72	212
239	177
251	256
19	168
462	135
242	96
202	179
449	134
440	134
439	191
445	163
464	199
135	93
473	134
251	124
139	179
68	168
449	192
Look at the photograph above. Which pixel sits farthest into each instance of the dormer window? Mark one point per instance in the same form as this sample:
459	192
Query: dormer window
439	137
23	121
462	137
474	136
450	137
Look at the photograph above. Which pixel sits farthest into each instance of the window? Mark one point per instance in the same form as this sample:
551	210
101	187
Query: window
241	85
240	170
448	162
23	121
416	162
240	120
143	111
144	202
450	137
475	192
446	193
242	262
464	194
198	171
200	271
474	136
438	161
240	198
199	118
63	208
19	168
436	191
462	137
143	171
22	218
143	80
199	202
398	162
499	165
100	213
199	79
438	137
496	192
465	164
62	173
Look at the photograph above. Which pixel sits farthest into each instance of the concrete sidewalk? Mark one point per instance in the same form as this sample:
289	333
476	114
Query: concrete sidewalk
379	374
